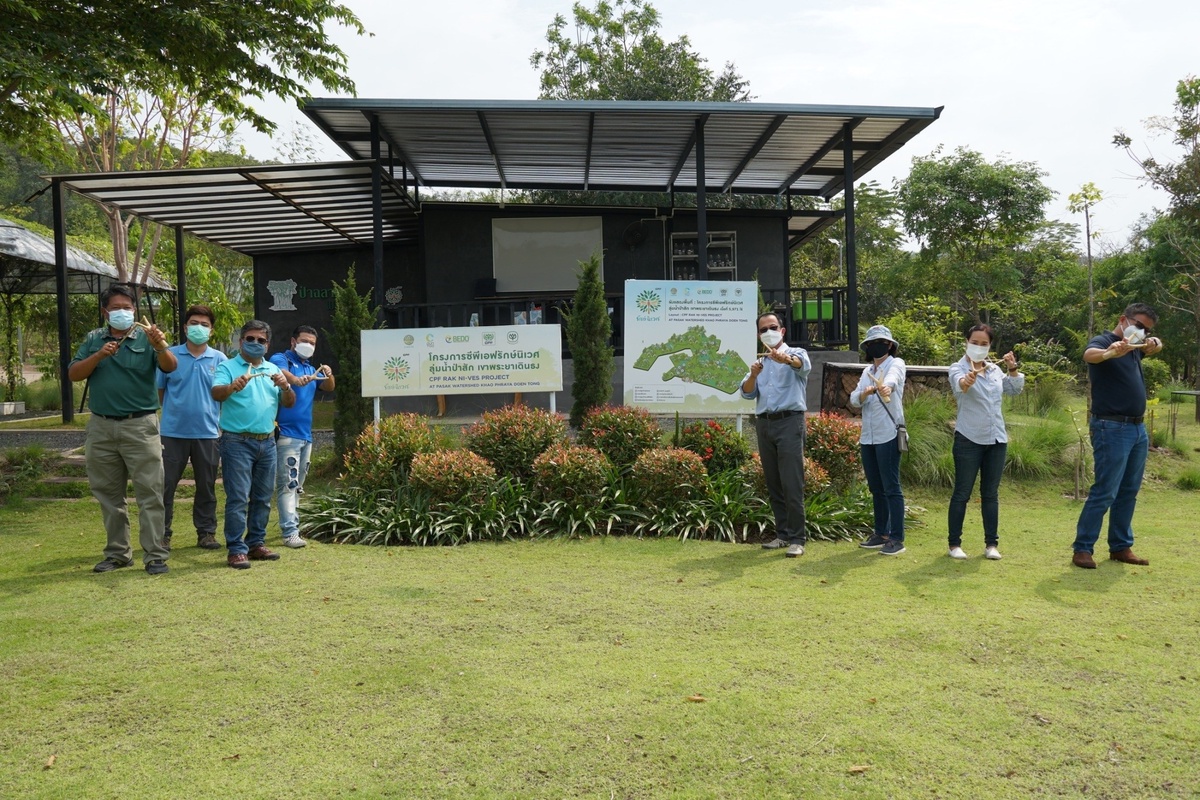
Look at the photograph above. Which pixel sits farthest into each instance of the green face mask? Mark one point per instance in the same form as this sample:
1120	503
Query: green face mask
198	334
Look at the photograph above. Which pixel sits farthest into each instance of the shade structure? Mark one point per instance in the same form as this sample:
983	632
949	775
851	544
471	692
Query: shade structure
749	148
262	209
27	265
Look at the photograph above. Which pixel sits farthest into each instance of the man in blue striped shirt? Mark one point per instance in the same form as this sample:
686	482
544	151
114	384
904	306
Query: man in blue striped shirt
777	382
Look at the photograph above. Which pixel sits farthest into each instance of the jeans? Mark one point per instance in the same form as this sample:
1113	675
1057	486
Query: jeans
881	465
292	458
781	447
971	459
248	466
1119	449
205	456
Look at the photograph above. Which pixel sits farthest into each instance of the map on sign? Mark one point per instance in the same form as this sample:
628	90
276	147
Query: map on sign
696	357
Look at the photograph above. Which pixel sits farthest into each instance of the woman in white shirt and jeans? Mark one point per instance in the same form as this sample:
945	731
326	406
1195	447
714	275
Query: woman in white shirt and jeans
980	438
880	395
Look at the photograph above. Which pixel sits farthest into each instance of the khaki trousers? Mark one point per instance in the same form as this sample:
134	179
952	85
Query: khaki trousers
118	451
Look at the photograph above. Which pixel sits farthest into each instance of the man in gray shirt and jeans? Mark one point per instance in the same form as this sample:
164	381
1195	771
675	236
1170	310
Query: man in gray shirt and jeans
777	382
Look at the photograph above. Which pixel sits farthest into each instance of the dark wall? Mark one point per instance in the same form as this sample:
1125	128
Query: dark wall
761	244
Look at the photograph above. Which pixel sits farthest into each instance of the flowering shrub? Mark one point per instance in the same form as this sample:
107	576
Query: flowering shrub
721	448
570	474
816	479
513	436
382	461
620	432
833	442
665	477
453	476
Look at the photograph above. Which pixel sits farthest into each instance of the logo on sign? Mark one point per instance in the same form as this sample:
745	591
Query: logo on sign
453	338
512	337
489	338
648	301
395	369
408	339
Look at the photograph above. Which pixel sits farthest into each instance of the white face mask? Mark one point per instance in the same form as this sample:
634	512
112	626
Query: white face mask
305	350
978	352
1134	334
771	338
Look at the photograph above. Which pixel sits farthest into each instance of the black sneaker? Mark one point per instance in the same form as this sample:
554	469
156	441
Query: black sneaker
109	564
892	548
874	543
207	541
156	567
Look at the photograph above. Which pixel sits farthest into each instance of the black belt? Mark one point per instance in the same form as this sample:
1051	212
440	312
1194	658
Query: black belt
779	414
134	415
1118	418
257	436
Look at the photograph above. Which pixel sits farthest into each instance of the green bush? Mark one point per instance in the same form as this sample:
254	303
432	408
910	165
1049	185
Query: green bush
667	477
721	448
1156	373
832	441
816	478
920	344
513	436
574	475
1040	449
589	332
453	476
21	468
1189	479
381	461
930	460
622	433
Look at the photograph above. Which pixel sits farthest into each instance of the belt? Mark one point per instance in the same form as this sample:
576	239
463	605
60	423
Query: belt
1118	418
779	414
256	436
134	415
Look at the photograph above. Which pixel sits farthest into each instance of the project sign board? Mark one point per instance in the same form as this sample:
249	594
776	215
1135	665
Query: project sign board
478	360
688	345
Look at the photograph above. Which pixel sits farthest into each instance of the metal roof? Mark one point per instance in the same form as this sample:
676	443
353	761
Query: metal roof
750	148
260	209
27	265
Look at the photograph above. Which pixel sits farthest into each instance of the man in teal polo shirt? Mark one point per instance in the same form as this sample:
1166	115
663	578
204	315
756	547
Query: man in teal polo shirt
293	447
189	425
118	361
250	391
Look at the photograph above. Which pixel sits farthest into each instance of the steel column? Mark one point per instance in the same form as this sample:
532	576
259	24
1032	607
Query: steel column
64	302
851	250
377	215
181	303
701	200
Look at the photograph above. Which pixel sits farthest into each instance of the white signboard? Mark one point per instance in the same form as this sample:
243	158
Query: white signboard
688	344
422	361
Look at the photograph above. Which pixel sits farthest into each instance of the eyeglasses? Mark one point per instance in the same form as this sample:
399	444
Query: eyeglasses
254	339
768	328
1142	326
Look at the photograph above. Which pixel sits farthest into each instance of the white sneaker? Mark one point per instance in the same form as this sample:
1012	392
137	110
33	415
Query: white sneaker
992	553
795	550
774	544
294	542
957	552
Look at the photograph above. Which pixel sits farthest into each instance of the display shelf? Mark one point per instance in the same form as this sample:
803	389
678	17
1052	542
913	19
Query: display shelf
684	263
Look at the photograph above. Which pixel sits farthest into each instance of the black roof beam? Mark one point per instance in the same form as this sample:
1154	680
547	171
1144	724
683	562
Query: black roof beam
824	150
491	143
587	156
754	151
683	156
284	198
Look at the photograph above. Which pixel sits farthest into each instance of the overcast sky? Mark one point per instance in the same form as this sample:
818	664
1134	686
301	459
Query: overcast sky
1048	81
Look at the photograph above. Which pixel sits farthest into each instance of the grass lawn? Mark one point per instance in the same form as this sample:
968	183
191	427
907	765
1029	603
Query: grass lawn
577	668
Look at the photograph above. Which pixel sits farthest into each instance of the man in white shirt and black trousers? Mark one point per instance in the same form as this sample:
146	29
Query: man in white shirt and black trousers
777	382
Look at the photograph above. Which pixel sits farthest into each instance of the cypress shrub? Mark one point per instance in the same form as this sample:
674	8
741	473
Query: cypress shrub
352	314
588	332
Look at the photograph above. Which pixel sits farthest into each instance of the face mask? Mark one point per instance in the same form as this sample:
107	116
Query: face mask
254	349
305	350
978	352
771	338
1134	334
877	348
120	319
198	334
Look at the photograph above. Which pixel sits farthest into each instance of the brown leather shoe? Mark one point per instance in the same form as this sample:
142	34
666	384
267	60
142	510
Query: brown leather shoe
1084	559
207	541
239	561
1126	556
261	553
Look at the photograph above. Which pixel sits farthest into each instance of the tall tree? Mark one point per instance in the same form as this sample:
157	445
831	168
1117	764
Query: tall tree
971	216
1083	200
58	56
1178	245
617	54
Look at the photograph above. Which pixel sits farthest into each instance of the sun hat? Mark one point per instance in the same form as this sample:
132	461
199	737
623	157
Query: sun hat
878	332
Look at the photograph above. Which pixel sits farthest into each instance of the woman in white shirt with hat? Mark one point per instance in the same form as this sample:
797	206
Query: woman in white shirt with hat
880	395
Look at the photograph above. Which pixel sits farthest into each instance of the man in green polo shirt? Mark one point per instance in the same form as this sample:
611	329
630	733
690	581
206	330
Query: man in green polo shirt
118	361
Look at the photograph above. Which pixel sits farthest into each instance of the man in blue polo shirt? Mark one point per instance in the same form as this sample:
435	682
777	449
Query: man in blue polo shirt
189	425
1119	441
293	447
250	390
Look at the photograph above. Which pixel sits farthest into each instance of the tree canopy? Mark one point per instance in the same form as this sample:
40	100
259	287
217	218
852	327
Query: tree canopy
57	56
617	54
